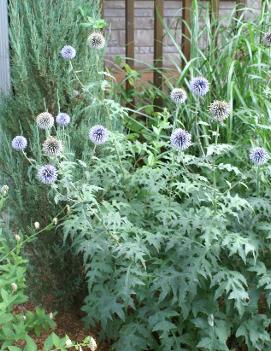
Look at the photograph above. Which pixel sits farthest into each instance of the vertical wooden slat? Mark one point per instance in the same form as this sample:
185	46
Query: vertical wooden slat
158	46
214	9
4	48
129	36
102	8
214	14
186	45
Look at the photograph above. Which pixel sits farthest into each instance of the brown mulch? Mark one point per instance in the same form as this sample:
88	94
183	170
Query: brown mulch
67	323
70	323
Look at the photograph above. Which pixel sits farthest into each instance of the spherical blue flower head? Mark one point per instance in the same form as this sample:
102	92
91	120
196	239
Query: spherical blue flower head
47	174
63	119
199	86
19	143
178	95
259	156
180	139
98	135
68	52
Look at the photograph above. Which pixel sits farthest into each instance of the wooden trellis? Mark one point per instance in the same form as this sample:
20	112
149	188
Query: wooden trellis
158	31
129	37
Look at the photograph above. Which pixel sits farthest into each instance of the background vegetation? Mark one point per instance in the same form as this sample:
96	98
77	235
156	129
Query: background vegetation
170	249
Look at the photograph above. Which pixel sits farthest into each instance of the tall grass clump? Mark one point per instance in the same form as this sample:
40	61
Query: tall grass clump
44	79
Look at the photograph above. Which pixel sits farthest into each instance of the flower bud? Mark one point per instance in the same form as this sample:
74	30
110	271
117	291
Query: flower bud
14	287
51	316
55	221
17	237
37	225
75	93
4	189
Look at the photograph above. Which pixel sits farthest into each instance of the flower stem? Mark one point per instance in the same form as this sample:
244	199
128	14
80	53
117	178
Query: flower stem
214	172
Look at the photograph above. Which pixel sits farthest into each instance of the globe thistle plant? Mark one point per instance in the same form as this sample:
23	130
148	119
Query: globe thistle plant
267	39
98	135
47	174
180	139
63	119
220	110
199	86
68	52
258	155
45	120
96	40
178	95
52	146
19	143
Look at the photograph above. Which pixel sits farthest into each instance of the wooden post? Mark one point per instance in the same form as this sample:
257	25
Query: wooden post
214	9
129	37
186	45
214	17
4	48
158	47
102	8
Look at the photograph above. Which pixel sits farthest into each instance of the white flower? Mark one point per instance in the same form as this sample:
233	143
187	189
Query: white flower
14	287
68	343
92	344
55	221
37	225
17	237
4	189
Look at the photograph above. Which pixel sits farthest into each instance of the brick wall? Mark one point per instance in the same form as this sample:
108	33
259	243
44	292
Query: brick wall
115	15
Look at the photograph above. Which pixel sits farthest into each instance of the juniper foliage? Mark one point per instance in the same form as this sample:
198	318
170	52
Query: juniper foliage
41	81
